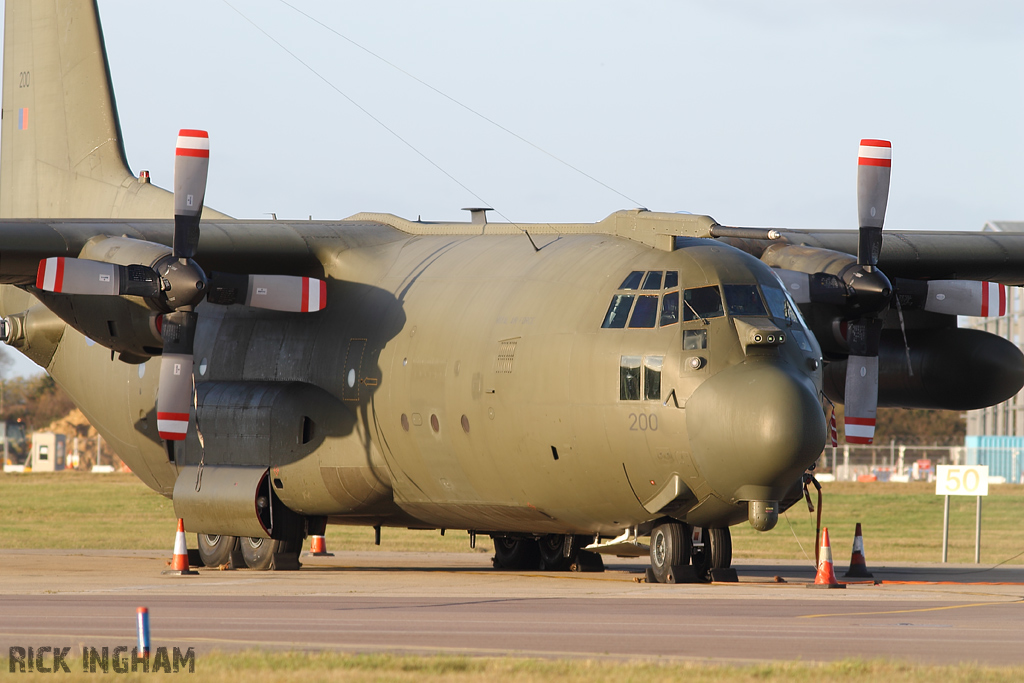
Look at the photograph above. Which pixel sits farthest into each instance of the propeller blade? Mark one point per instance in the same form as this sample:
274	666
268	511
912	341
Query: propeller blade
271	292
83	276
191	164
965	297
819	288
174	395
861	400
874	165
77	276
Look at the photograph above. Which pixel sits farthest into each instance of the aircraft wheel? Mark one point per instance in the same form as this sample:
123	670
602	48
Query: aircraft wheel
670	547
516	553
268	553
215	550
716	553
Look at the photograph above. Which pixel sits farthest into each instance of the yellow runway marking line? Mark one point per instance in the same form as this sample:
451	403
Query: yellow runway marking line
909	611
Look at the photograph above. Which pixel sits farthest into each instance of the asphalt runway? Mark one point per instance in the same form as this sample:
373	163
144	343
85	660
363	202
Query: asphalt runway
454	603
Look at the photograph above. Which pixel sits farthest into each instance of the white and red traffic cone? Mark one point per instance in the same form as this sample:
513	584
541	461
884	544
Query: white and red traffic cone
826	576
179	563
318	546
858	565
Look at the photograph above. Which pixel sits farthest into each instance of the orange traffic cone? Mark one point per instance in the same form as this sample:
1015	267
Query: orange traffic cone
858	565
826	577
179	563
318	546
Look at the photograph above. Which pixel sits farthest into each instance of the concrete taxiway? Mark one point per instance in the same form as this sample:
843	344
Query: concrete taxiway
454	603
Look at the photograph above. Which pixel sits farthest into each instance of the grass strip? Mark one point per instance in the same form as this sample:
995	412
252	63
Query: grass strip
314	667
902	522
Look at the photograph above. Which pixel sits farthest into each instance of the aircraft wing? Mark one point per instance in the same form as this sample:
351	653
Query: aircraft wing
932	255
271	247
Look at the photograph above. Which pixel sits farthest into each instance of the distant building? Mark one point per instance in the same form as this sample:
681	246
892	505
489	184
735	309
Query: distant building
995	435
48	451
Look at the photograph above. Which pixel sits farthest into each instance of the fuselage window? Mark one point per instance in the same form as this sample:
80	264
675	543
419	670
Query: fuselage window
653	280
645	313
706	302
633	280
744	300
694	340
633	383
671	279
652	377
618	311
629	378
670	309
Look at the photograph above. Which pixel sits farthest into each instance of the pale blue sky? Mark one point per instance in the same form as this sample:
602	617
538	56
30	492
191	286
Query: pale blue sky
748	111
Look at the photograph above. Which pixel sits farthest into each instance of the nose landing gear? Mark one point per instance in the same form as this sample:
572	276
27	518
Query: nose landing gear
684	554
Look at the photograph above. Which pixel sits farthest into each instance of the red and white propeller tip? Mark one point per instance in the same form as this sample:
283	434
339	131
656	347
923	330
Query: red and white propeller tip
78	276
966	297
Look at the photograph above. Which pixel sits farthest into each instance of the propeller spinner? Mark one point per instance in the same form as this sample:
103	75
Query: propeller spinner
178	283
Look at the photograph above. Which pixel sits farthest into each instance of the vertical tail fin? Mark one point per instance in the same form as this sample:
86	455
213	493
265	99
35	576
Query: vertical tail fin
61	154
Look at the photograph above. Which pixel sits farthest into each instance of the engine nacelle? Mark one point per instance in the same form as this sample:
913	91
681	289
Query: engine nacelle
953	369
127	325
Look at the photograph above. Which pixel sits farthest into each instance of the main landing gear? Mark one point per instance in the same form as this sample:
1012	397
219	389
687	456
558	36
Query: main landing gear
681	553
254	553
553	553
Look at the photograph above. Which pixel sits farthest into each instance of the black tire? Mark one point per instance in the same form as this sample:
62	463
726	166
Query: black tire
552	552
516	553
670	547
215	550
716	553
267	553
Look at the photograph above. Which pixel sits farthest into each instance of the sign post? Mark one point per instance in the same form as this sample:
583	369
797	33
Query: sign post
962	480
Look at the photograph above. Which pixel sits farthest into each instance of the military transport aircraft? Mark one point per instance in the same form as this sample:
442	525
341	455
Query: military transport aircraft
569	392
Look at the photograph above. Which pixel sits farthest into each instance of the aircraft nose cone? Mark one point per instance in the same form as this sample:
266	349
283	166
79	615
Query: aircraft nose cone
753	429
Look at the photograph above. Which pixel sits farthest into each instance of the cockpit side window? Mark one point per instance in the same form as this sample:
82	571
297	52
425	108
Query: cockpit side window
632	281
778	304
670	309
744	300
618	311
705	302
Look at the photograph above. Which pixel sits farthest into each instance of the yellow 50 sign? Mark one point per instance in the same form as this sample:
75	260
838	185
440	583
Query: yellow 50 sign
961	480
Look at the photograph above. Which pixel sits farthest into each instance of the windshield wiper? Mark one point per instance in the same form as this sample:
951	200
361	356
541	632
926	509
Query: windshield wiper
694	311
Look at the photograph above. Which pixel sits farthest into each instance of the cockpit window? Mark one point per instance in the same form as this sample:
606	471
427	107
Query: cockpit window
633	280
744	300
778	304
706	302
645	308
645	314
653	280
670	309
618	311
